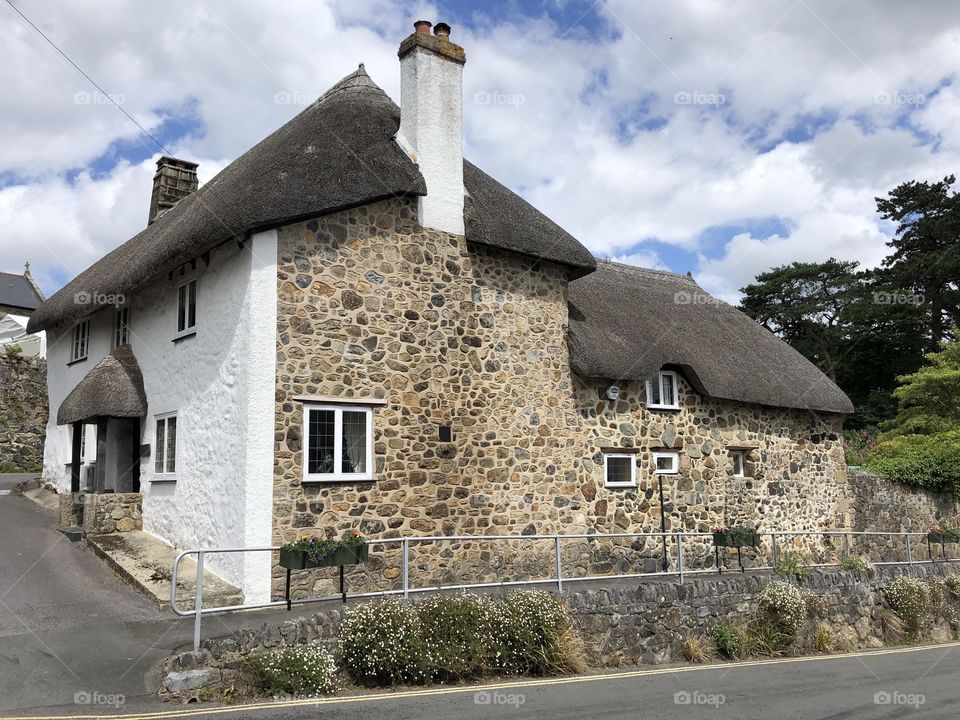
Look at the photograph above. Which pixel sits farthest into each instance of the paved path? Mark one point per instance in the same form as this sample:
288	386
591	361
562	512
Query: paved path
902	683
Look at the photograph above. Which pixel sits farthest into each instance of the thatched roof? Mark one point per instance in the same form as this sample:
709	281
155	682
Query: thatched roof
626	323
113	388
339	152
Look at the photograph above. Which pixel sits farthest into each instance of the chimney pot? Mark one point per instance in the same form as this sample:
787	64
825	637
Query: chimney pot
442	31
423	26
173	181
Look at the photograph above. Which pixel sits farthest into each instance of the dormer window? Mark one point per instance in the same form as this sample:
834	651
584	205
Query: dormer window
662	391
121	326
79	339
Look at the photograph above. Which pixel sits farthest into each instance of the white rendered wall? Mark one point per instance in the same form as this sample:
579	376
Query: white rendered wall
431	132
220	382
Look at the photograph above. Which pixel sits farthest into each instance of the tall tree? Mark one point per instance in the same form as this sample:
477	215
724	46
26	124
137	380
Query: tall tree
804	303
926	250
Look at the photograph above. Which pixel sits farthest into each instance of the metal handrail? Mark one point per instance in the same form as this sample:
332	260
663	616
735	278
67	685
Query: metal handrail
406	590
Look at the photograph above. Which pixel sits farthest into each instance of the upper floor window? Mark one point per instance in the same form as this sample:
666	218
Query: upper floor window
338	443
739	460
619	469
121	326
666	463
187	308
165	450
662	391
79	340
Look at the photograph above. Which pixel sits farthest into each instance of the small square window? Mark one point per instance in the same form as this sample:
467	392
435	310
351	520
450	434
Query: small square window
738	459
79	340
339	443
187	308
165	448
619	470
662	391
666	463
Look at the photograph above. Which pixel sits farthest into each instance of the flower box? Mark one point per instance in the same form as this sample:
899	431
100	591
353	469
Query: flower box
941	537
343	555
736	538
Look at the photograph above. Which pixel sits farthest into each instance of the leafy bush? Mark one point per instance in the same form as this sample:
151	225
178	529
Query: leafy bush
785	605
952	583
533	635
910	600
854	563
927	461
299	670
460	629
458	637
382	643
856	445
12	350
791	564
727	640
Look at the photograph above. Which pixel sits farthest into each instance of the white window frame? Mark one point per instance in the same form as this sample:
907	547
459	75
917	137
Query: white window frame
659	378
79	341
188	287
740	455
675	465
165	476
337	475
633	469
121	326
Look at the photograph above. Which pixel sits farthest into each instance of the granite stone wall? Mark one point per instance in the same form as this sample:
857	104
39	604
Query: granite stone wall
112	512
23	412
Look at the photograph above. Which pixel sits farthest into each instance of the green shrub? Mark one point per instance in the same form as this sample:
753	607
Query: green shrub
533	635
854	563
952	583
459	628
791	564
300	670
927	461
785	605
727	640
382	644
910	600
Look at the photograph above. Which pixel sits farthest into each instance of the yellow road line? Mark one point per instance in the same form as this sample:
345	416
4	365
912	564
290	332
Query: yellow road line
537	682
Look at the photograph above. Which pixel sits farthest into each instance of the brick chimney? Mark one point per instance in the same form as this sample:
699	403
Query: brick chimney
174	180
431	121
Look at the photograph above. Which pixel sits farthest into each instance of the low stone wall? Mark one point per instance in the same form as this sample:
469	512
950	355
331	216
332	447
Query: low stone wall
23	412
623	623
112	512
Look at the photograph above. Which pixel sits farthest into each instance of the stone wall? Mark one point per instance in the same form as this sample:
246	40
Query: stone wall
23	412
112	512
623	623
444	333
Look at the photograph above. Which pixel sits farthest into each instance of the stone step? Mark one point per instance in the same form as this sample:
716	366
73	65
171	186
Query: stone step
74	534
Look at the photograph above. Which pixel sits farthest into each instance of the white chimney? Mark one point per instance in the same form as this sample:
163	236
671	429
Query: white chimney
431	121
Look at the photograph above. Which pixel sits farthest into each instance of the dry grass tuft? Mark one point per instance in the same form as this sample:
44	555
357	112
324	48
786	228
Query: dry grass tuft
822	639
695	649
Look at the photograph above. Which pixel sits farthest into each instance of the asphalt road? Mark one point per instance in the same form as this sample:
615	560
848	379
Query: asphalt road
907	683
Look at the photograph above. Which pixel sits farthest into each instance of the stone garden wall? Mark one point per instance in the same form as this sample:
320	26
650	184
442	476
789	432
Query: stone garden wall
623	623
112	512
440	332
23	412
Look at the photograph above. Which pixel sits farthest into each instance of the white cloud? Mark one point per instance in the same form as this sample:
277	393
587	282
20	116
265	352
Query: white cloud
575	138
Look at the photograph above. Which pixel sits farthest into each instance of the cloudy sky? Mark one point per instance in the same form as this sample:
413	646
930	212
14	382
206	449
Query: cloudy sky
719	137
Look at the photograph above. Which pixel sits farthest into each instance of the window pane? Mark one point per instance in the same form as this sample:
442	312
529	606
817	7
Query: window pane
737	463
354	442
619	470
158	448
192	309
653	389
181	308
666	463
171	444
669	391
320	442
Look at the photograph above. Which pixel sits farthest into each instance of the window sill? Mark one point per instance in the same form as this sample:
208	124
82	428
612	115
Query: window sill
621	486
663	407
184	335
163	480
78	360
335	480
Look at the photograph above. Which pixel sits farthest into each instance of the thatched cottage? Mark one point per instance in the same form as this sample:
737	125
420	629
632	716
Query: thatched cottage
352	326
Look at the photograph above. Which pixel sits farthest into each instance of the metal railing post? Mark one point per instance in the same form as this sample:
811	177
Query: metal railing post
906	537
846	544
773	549
556	550
198	602
680	556
406	568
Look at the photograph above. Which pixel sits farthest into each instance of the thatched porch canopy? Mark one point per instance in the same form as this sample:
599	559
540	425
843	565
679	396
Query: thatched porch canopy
112	389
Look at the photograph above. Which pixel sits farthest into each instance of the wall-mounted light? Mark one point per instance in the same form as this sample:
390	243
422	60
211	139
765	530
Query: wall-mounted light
613	392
